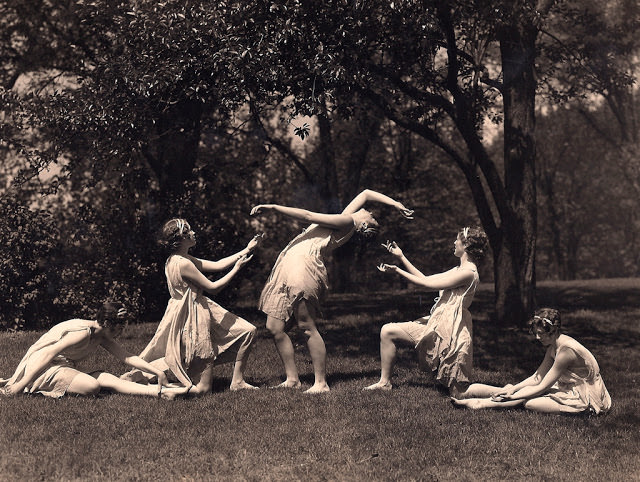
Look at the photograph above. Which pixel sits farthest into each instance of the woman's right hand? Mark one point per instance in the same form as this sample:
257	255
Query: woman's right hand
260	208
503	393
393	248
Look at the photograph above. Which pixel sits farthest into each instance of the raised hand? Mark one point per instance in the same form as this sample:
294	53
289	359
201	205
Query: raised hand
392	268
259	209
255	241
393	248
242	260
406	212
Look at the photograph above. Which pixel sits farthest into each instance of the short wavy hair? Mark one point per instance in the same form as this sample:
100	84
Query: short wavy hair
475	242
112	313
173	233
545	319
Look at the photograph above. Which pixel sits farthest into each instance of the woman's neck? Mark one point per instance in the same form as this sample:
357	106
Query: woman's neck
466	262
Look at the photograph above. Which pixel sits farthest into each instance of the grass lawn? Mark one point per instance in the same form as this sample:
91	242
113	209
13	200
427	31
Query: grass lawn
411	433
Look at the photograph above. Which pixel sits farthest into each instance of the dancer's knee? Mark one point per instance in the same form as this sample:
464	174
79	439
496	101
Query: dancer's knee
387	332
84	384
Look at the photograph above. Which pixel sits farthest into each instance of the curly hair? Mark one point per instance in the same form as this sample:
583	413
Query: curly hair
546	319
475	242
173	232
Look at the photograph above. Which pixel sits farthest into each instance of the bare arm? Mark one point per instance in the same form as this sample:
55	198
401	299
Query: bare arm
545	380
190	272
42	358
434	282
334	221
207	266
395	250
372	196
117	350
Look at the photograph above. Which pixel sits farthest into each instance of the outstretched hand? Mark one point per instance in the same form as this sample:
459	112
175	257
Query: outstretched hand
406	212
244	259
259	209
255	241
393	248
387	268
504	394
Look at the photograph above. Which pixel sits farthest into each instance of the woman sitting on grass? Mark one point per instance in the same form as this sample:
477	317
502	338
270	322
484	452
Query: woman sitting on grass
195	331
567	381
299	280
48	368
443	339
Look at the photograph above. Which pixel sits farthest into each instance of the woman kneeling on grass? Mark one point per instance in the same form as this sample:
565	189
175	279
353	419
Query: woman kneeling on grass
443	339
48	368
567	381
195	331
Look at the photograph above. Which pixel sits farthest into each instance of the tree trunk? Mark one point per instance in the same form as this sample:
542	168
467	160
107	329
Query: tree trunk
515	254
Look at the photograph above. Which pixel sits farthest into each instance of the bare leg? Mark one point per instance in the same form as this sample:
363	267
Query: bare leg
112	383
83	384
389	335
201	372
547	405
477	403
477	390
237	380
305	316
285	349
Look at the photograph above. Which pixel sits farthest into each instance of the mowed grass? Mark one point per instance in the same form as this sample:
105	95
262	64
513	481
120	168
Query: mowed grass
411	433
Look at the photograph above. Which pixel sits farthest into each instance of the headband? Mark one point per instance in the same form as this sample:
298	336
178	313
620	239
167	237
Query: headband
545	320
180	224
465	232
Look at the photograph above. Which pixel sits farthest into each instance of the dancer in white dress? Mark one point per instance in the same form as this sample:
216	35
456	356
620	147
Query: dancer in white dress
567	381
49	366
196	332
299	277
444	337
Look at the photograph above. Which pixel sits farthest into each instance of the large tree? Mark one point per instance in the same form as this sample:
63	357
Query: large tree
438	69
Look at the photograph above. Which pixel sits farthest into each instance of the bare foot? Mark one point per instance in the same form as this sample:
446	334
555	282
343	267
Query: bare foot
289	384
464	403
318	388
379	386
235	387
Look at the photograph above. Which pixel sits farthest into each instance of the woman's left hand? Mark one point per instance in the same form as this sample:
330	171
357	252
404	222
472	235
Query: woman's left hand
406	212
162	381
260	208
255	241
387	267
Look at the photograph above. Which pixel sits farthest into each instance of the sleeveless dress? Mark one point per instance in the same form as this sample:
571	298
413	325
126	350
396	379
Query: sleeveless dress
580	386
444	338
299	272
55	379
192	327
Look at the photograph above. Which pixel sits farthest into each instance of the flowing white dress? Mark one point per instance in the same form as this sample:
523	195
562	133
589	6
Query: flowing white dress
444	338
55	378
299	272
580	386
192	327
